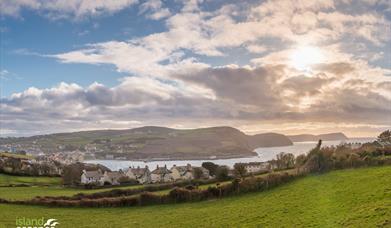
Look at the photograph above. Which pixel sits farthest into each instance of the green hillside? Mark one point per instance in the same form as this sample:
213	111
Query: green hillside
154	142
347	198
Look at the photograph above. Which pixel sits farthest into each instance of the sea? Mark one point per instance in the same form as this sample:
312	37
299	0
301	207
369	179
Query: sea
264	154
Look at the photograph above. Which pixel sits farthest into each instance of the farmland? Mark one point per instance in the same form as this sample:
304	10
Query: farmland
346	198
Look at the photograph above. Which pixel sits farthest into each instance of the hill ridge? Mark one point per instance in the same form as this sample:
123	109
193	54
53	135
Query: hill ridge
155	142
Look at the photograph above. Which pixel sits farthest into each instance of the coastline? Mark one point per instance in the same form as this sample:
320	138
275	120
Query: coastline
178	158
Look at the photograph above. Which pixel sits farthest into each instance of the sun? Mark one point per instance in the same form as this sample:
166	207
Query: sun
302	58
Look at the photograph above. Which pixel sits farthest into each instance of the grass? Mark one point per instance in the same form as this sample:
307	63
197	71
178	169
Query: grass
15	193
347	198
6	180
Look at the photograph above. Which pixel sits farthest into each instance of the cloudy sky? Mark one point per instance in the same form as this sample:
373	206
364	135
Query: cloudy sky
288	66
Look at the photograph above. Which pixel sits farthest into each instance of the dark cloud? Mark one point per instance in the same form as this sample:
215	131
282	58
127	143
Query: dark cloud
303	85
268	93
243	86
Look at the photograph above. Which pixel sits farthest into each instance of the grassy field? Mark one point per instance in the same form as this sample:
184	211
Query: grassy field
6	180
348	198
30	192
50	186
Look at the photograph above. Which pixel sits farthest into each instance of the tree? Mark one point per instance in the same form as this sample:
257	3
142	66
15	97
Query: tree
300	160
279	160
72	173
289	160
197	173
315	158
222	173
240	170
384	138
212	167
285	160
273	164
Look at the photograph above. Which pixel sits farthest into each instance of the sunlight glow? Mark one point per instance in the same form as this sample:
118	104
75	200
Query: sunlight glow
303	57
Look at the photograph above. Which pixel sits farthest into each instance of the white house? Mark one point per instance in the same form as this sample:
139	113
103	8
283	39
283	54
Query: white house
182	172
188	172
142	175
161	174
91	177
255	167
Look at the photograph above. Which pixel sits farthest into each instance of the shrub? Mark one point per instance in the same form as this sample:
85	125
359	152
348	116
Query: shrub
147	198
222	173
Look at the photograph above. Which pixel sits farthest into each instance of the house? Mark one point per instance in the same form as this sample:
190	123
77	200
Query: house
182	172
91	177
112	178
142	175
205	173
188	172
161	174
255	167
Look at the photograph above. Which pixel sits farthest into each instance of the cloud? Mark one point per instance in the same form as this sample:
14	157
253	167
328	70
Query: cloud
268	94
64	9
255	48
208	33
339	68
4	72
153	9
175	76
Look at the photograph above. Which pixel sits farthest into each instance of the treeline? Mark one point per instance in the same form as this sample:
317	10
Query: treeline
18	165
323	159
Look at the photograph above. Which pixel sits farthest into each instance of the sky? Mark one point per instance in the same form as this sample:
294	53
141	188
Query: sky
287	66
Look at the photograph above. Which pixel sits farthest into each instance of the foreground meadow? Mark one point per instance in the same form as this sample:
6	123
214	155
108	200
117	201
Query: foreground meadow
347	198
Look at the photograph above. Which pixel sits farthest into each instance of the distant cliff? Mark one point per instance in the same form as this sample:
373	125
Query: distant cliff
155	143
324	137
269	140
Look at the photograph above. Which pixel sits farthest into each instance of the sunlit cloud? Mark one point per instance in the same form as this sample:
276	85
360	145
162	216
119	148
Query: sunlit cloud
298	65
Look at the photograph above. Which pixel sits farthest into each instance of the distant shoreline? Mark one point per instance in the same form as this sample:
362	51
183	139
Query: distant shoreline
212	158
178	159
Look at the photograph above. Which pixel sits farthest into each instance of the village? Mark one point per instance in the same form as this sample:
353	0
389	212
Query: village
162	174
93	175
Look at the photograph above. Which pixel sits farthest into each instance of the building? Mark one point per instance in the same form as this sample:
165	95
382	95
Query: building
142	175
161	174
112	178
91	177
182	172
256	167
188	172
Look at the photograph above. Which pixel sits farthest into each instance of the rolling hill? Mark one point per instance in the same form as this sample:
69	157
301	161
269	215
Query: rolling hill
324	137
344	198
152	143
